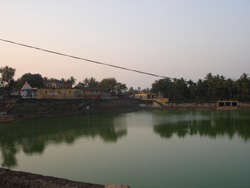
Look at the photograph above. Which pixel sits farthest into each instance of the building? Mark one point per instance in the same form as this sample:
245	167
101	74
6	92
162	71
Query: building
94	92
27	92
227	105
72	93
57	84
55	93
56	89
157	97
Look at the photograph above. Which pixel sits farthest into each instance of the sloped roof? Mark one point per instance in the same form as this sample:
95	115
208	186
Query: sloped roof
26	86
92	88
54	81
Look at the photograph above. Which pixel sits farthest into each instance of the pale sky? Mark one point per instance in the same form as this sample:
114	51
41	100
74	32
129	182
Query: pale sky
173	38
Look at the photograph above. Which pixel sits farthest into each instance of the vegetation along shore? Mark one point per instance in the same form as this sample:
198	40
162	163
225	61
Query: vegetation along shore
33	95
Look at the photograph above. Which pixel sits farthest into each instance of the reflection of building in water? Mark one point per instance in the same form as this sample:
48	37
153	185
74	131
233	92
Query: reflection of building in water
120	124
227	105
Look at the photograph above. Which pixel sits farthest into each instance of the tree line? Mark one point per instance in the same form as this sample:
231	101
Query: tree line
8	84
211	88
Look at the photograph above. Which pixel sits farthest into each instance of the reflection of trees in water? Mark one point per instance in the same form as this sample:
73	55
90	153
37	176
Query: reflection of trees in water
8	155
204	123
32	136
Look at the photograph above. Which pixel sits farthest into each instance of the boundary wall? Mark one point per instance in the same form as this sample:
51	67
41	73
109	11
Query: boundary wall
32	108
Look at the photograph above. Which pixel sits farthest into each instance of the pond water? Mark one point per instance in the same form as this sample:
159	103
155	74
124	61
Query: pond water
144	149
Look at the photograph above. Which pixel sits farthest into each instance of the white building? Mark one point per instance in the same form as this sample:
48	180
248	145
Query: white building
26	91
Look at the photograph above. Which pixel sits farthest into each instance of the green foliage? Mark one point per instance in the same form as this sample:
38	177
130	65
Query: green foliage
138	90
242	87
146	90
112	85
92	82
7	79
212	88
88	82
34	80
175	89
108	83
120	88
7	74
71	79
133	91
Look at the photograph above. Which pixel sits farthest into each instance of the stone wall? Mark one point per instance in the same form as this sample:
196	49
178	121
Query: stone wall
18	179
244	105
195	105
30	108
205	105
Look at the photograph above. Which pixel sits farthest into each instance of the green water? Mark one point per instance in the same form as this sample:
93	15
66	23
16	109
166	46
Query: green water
145	149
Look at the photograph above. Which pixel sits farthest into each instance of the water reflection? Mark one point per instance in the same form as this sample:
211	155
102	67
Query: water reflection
204	123
32	136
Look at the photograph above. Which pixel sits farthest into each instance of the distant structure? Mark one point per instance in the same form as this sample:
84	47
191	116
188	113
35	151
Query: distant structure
72	93
57	84
157	97
56	89
227	105
26	91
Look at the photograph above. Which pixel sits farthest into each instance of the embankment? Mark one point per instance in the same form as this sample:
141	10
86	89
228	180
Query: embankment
192	105
243	105
32	108
205	105
14	179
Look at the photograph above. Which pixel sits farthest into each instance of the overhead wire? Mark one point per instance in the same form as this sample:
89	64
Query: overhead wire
84	59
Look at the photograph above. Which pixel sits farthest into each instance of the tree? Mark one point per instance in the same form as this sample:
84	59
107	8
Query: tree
212	88
108	83
229	84
7	74
45	79
112	85
139	89
181	89
164	86
80	84
88	82
120	87
71	79
201	90
34	80
6	80
92	82
146	90
132	90
192	89
243	87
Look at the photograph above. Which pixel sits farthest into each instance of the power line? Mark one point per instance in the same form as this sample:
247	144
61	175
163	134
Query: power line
84	59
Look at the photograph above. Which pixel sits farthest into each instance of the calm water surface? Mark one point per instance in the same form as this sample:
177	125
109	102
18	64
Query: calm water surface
145	149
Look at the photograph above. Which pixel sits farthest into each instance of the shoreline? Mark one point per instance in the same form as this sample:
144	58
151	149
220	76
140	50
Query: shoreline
12	179
39	108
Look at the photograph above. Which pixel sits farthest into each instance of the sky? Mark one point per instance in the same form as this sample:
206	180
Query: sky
172	38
